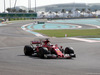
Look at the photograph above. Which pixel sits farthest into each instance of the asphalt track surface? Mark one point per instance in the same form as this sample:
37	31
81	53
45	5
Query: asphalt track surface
14	62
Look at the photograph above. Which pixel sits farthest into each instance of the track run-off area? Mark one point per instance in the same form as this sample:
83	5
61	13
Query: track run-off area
65	24
13	38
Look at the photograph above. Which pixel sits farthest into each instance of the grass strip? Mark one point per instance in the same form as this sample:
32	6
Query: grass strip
94	33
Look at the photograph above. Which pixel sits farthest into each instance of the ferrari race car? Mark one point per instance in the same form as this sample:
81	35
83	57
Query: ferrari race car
44	49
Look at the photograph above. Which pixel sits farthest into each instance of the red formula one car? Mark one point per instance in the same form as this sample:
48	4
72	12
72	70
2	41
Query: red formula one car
44	49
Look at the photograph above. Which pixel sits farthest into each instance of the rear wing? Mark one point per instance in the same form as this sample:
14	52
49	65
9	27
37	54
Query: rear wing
35	42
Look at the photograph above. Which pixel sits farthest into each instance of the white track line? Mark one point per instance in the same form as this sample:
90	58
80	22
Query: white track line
93	25
85	40
24	27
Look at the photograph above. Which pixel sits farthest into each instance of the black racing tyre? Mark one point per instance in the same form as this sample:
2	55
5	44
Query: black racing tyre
69	50
28	51
42	51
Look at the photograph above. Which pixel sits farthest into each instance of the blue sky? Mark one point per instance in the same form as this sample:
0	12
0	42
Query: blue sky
42	2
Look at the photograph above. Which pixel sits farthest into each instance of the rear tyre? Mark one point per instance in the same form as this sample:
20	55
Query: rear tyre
28	51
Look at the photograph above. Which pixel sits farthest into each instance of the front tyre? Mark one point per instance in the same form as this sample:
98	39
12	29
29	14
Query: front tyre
43	52
28	51
70	51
